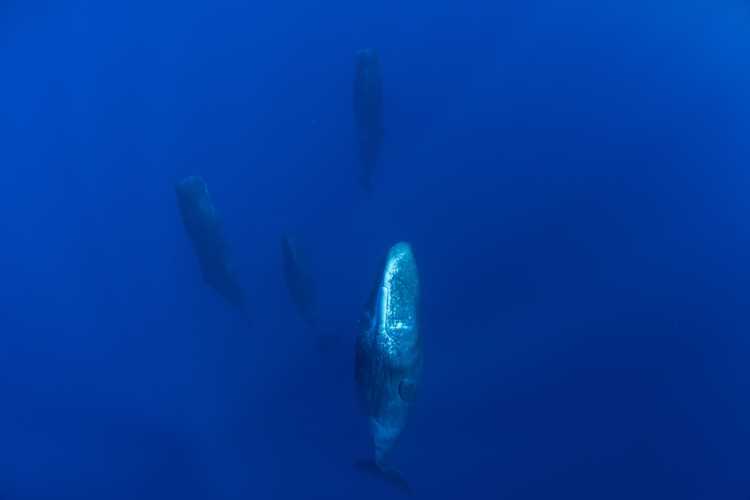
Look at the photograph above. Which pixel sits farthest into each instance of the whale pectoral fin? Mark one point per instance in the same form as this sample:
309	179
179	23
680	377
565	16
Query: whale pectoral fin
407	389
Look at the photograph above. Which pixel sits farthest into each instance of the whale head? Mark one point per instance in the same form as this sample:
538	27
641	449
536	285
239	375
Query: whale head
397	312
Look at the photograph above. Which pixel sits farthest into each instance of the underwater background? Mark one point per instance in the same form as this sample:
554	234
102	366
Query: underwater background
572	176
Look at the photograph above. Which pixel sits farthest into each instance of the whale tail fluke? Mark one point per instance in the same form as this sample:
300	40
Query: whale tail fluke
388	475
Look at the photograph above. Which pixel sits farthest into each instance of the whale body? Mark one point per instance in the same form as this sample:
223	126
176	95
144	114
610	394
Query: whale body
299	282
368	111
203	226
388	360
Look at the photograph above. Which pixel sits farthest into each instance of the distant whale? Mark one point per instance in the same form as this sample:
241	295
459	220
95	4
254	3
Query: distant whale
299	282
388	360
203	226
368	111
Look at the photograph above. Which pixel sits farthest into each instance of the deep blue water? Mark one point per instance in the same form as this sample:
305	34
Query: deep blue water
573	177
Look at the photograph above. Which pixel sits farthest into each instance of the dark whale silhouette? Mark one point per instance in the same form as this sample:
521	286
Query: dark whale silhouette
368	111
204	229
299	282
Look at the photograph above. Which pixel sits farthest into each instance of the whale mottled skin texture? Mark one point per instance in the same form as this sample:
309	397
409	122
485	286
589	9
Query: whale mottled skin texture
368	111
388	361
298	279
203	227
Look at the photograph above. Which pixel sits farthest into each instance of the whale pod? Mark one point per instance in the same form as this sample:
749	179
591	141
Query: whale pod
203	227
388	359
368	111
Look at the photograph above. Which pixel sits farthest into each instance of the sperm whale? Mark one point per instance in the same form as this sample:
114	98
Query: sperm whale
203	226
368	111
388	358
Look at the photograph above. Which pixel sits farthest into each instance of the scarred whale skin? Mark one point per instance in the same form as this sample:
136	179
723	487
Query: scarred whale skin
203	227
368	111
388	360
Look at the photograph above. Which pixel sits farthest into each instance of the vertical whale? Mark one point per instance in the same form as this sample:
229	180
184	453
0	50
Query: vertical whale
203	227
388	359
368	111
299	282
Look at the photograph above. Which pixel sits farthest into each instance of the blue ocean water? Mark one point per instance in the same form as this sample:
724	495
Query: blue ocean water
572	176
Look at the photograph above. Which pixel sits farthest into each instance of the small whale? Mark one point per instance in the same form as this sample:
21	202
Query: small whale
203	226
299	282
368	111
388	357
